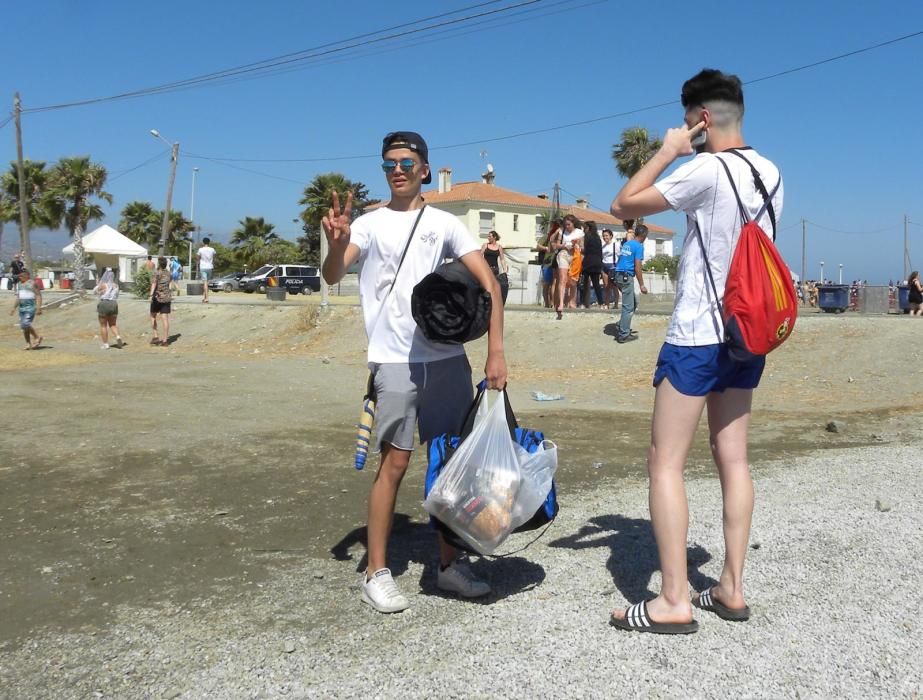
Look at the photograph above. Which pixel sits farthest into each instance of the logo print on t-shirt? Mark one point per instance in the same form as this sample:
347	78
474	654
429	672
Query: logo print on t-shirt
429	238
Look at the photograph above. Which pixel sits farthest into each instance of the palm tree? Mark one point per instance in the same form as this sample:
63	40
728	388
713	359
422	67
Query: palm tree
72	182
141	223
251	235
317	199
633	151
38	209
180	228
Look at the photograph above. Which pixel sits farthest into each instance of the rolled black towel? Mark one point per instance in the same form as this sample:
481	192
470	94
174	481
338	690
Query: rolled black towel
450	306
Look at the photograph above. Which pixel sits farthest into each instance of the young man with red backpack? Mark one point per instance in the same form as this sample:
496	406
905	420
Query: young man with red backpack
726	184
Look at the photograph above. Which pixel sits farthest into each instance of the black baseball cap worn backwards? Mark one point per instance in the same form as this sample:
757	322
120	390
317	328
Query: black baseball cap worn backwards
411	140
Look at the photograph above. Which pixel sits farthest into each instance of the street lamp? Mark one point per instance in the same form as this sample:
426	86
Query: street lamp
174	157
192	219
841	273
821	271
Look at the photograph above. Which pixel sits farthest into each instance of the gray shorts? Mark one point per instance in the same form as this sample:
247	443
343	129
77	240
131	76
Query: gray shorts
435	395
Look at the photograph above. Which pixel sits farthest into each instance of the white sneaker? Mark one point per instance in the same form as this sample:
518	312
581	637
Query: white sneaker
382	593
459	578
104	346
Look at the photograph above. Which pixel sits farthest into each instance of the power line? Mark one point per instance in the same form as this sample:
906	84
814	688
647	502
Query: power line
303	55
583	122
150	160
452	32
7	121
850	233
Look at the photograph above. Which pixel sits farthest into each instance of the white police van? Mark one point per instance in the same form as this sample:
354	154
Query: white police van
296	279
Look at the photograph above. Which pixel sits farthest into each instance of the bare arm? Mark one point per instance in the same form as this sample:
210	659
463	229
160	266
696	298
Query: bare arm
495	369
640	275
639	197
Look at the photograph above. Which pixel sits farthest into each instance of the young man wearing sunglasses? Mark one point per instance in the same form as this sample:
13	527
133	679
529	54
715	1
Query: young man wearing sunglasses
419	384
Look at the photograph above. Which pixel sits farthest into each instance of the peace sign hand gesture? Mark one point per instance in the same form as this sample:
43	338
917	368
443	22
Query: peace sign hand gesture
336	223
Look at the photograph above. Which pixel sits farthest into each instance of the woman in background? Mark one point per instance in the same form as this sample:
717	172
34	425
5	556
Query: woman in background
108	308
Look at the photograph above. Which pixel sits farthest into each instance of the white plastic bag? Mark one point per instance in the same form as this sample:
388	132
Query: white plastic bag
475	493
536	473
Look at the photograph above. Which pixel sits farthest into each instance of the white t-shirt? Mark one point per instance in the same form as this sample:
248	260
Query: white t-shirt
380	236
569	238
611	252
206	257
701	189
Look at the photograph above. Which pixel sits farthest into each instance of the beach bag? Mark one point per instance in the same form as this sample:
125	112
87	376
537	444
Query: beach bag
760	305
576	264
493	479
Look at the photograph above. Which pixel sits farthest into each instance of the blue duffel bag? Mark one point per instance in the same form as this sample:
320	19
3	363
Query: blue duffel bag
443	447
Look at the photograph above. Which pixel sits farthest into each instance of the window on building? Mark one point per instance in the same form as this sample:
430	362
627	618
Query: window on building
486	223
539	227
658	248
515	222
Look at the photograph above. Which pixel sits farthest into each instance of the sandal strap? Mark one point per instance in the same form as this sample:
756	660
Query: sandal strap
705	599
636	616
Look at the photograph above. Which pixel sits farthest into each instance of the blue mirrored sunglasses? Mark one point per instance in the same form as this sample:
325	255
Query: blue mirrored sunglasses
407	165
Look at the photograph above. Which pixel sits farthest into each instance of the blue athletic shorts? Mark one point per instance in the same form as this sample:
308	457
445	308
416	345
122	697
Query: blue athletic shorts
547	275
697	371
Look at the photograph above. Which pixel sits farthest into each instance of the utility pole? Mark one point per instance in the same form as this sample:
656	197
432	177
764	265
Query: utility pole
906	253
24	240
324	287
165	228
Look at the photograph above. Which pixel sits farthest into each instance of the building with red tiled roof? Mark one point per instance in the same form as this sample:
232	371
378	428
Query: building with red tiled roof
518	218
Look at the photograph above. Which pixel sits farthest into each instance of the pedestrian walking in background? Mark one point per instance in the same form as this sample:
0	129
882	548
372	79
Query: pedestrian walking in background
161	296
107	309
611	249
28	303
628	267
496	261
546	258
206	258
571	239
592	264
915	294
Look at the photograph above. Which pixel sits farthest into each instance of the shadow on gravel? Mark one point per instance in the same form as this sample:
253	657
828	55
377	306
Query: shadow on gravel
633	559
611	329
416	542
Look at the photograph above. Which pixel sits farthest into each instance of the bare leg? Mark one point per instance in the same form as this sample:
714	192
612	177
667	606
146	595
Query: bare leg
164	328
115	329
103	330
728	422
562	287
673	428
388	479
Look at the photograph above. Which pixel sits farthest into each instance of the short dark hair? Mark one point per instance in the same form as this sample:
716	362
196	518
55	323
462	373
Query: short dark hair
640	230
162	262
206	240
710	84
628	224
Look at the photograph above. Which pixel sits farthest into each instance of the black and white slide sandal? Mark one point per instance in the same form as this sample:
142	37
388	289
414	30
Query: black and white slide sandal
637	620
706	601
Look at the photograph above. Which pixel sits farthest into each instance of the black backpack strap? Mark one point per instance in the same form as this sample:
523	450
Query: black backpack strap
406	246
761	187
709	274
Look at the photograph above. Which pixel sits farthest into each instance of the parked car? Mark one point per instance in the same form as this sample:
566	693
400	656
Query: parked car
297	279
226	283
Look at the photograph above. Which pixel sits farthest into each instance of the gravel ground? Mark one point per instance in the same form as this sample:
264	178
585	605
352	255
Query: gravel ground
834	577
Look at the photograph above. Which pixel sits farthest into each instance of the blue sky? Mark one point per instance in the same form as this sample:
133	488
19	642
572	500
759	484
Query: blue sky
846	135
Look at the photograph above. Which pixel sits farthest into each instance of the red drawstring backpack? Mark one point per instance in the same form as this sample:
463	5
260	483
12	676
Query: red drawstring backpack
760	306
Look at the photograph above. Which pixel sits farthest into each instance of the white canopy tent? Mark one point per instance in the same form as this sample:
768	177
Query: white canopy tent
110	248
